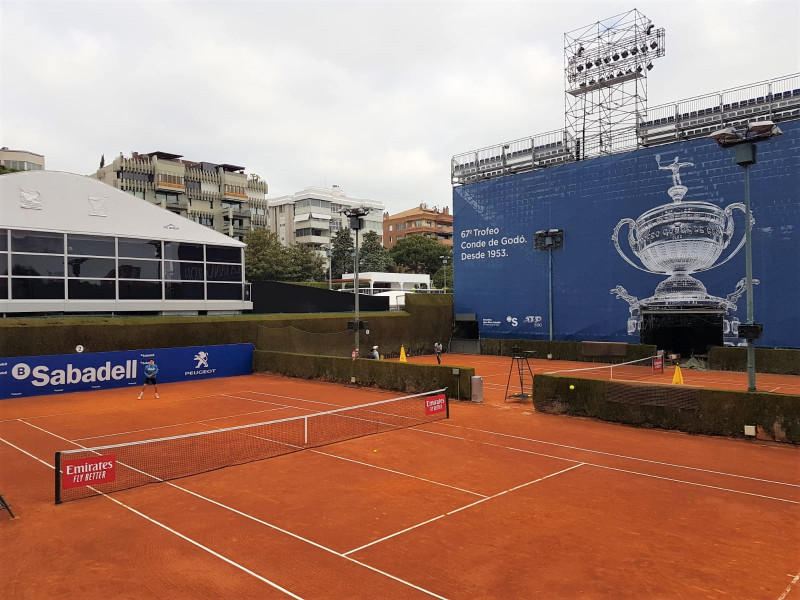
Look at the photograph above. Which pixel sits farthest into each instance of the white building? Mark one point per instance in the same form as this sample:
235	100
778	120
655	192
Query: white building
388	282
311	217
71	244
21	160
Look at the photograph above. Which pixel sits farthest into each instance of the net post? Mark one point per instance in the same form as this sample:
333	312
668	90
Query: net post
305	431
58	477
447	405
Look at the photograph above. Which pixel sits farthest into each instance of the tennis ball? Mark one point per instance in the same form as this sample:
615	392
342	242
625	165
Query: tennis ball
572	387
374	450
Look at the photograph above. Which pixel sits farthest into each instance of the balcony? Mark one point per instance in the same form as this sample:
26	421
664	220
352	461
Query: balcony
170	187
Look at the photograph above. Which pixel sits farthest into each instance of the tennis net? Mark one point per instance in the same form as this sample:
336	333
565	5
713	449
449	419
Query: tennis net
633	370
86	472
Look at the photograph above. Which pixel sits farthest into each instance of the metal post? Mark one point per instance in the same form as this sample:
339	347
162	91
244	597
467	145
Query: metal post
748	252
551	294
355	281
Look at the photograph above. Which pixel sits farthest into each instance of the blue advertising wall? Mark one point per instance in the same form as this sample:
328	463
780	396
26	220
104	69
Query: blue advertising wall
500	277
61	373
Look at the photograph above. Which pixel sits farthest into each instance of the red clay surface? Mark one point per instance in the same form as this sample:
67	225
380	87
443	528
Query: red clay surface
496	502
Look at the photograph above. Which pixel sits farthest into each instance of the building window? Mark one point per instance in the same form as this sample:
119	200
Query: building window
84	266
391	227
167	198
36	288
390	239
139	269
184	291
183	271
140	290
183	251
224	254
134	248
37	241
37	265
90	245
224	291
223	272
92	289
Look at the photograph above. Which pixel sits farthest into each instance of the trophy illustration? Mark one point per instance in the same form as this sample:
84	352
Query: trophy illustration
678	239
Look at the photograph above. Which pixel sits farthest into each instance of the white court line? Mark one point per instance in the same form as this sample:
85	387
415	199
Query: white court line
180	535
713	487
655	462
462	508
775	389
789	587
275	403
252	518
290	398
400	473
200	422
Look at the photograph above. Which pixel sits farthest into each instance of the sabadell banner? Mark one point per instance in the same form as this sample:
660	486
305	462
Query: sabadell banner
62	373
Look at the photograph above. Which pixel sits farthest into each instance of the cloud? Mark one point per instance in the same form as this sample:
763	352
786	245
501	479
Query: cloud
374	96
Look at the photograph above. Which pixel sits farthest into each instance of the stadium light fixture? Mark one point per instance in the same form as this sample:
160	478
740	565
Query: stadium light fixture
580	51
552	239
356	222
649	29
598	62
654	45
743	143
580	68
616	56
635	50
649	66
624	54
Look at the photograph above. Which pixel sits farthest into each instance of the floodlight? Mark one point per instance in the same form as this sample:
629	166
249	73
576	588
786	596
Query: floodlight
583	84
580	51
580	68
763	128
650	66
726	135
654	45
592	82
624	54
619	74
643	48
589	65
616	56
639	69
649	29
601	80
598	62
606	60
634	50
629	71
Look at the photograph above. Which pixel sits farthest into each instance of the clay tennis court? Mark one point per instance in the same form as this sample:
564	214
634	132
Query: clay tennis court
494	502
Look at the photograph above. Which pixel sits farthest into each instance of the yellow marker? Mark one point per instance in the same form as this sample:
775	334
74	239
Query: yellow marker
677	378
403	354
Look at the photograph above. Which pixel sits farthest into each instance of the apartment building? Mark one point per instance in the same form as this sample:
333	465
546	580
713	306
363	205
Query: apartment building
313	215
430	222
21	160
219	196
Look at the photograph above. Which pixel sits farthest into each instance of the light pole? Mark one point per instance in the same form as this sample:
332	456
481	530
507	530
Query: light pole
444	272
743	142
356	223
329	254
549	240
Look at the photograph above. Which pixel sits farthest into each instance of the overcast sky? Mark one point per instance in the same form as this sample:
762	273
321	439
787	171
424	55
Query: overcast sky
373	96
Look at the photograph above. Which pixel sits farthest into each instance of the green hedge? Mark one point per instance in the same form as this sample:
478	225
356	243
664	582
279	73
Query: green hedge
783	361
562	350
426	320
390	375
718	412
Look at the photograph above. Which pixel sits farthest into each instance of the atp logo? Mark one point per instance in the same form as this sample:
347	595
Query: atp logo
202	359
512	320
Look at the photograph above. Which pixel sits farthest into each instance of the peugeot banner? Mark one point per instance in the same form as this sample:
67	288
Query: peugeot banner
61	373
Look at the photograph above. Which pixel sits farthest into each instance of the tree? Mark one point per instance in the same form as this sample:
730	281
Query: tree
265	258
443	277
372	256
304	264
342	254
420	254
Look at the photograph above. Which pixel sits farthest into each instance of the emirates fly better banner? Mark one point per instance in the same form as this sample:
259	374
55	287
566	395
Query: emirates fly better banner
62	373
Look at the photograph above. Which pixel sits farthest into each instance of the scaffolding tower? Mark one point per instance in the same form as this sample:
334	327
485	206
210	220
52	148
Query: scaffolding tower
605	82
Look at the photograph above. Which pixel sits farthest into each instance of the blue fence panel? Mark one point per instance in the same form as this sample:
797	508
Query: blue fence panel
61	373
598	294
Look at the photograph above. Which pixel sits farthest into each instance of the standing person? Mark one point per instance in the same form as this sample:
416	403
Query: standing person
150	372
438	349
374	354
